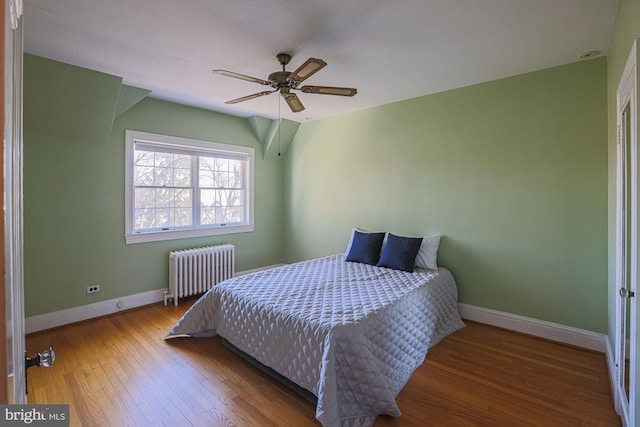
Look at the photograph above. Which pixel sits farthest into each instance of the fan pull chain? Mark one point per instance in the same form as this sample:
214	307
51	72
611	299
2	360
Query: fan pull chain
279	125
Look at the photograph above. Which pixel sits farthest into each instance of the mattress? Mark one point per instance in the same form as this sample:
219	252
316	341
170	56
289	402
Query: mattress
350	333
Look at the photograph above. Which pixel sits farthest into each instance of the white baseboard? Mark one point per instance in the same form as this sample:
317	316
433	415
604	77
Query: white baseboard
535	327
84	312
54	319
539	328
253	270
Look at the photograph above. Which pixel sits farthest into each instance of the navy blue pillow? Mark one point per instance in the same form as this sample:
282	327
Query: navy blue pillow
365	247
400	252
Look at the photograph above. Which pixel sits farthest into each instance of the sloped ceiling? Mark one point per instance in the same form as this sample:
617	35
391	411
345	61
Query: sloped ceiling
389	50
71	104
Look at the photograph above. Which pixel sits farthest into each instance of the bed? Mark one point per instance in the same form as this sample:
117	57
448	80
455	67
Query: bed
350	333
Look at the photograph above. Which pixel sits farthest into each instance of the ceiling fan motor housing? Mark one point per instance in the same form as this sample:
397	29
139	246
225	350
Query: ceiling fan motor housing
280	79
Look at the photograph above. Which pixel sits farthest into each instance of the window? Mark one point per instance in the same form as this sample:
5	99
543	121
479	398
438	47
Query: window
178	188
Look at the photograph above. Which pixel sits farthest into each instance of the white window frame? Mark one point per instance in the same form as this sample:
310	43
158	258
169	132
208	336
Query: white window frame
132	236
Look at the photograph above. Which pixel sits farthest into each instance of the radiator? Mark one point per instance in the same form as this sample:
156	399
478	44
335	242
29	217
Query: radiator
195	271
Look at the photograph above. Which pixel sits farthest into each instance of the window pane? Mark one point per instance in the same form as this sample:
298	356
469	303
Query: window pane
162	169
208	201
144	198
235	165
162	207
183	198
164	217
144	218
164	197
235	197
223	197
234	214
143	158
182	217
218	165
220	173
163	176
182	161
230	197
206	178
164	160
207	216
221	165
221	180
221	206
207	198
206	163
235	180
220	215
182	177
143	175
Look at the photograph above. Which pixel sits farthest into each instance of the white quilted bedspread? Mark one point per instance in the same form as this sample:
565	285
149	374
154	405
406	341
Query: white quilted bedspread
350	333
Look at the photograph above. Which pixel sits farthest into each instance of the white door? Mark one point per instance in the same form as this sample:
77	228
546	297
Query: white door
14	284
627	240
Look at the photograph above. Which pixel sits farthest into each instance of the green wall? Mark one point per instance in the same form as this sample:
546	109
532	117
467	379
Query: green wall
74	188
512	172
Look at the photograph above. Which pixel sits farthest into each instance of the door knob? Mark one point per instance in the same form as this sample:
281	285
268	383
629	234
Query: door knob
626	293
46	359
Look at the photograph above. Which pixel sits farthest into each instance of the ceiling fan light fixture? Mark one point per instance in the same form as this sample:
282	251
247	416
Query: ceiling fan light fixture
285	91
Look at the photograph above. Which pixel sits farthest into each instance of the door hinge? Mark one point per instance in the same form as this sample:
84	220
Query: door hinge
618	134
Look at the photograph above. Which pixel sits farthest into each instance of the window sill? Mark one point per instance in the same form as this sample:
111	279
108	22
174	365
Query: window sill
157	236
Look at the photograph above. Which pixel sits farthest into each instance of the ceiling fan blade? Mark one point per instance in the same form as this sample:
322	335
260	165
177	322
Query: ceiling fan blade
306	70
294	102
241	77
330	90
248	97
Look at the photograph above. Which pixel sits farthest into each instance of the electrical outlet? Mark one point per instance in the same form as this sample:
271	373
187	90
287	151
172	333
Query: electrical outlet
93	289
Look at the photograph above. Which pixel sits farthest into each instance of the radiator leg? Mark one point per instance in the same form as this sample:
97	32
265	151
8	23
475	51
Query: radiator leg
169	296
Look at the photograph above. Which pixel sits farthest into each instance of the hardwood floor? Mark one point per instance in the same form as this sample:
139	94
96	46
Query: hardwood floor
118	371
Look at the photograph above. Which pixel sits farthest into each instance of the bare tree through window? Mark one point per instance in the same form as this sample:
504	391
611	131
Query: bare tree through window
178	187
164	193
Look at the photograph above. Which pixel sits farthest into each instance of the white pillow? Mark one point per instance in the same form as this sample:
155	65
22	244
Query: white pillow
428	254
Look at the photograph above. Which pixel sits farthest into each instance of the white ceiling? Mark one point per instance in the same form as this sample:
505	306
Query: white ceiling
388	50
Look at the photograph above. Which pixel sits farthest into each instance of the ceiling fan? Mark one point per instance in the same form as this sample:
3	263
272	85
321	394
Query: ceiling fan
285	81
